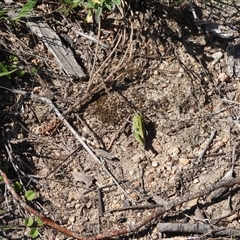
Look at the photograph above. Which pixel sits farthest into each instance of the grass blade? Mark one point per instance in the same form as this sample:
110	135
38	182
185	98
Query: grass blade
26	9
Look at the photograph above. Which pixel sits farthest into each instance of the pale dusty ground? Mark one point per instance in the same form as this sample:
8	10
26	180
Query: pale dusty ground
170	76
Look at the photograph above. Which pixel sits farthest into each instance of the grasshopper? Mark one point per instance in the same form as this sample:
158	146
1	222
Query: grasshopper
138	128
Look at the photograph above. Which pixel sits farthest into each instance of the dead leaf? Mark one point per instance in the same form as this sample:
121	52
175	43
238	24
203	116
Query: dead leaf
83	177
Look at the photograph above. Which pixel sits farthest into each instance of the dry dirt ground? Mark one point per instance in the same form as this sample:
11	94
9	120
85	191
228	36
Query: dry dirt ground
159	64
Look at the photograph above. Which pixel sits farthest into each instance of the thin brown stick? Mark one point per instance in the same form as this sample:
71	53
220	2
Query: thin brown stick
207	145
96	89
117	134
101	85
44	219
158	212
155	214
95	57
197	228
50	104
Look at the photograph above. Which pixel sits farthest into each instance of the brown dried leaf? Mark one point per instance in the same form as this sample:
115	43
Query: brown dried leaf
83	177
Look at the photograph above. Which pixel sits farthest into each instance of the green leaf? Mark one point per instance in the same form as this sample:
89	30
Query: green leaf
2	211
76	3
13	66
5	71
117	2
88	5
34	233
3	67
6	228
17	186
67	1
29	222
30	195
26	9
108	6
138	128
33	70
13	58
21	73
39	222
1	178
98	13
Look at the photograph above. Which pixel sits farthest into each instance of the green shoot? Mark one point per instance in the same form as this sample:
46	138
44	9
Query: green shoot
30	222
5	72
30	195
26	9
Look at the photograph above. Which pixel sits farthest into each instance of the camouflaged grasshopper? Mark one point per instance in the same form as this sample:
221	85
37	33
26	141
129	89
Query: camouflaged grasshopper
138	128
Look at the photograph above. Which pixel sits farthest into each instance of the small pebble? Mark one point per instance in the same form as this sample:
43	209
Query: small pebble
88	205
173	170
150	178
154	184
77	206
152	170
137	158
196	180
136	184
192	202
174	151
154	164
134	196
131	172
71	219
217	55
126	203
223	77
184	161
164	85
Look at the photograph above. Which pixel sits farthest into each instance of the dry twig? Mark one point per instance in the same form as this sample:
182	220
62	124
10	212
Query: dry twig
207	145
44	219
155	214
197	228
48	102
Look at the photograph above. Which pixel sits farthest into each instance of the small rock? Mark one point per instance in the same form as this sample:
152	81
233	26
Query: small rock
216	58
179	75
225	139
77	206
155	234
136	184
152	170
173	170
150	178
89	205
131	172
196	180
154	164
137	158
192	203
168	166
71	219
223	77
126	203
134	196
184	161
164	85
154	184
217	55
174	151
